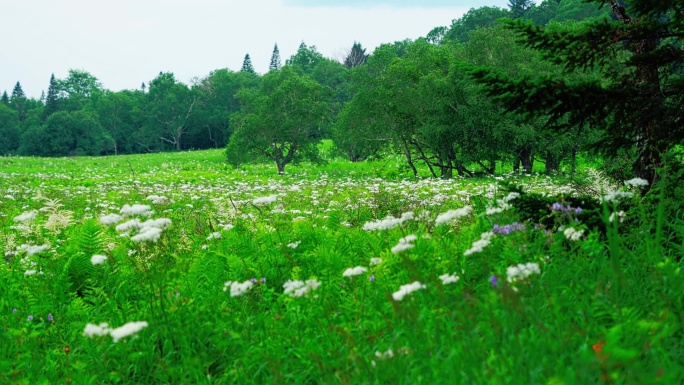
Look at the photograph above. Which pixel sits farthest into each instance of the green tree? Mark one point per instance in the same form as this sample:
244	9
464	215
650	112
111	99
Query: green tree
280	119
247	65
9	130
473	19
275	64
51	101
636	104
357	56
305	59
75	91
518	8
169	108
66	133
18	101
119	114
5	99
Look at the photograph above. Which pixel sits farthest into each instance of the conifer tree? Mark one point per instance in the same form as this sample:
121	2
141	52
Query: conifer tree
51	99
357	56
5	98
636	106
275	59
18	101
519	7
247	65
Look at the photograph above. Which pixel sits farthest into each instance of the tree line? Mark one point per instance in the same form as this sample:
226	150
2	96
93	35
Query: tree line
529	83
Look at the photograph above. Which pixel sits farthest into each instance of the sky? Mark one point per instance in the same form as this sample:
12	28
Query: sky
127	42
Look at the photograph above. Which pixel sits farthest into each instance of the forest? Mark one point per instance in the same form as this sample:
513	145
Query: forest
529	83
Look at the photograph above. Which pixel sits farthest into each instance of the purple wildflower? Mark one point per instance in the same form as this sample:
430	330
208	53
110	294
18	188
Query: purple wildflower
263	280
578	211
556	207
14	310
372	278
30	318
51	318
493	280
253	280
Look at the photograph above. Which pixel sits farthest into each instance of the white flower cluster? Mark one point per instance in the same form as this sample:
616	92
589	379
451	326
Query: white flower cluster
617	196
522	271
92	330
620	215
110	219
294	245
352	271
136	209
214	235
404	244
150	230
449	278
572	234
404	290
157	199
388	223
98	259
452	215
33	249
480	244
375	261
27	216
237	288
300	288
263	201
637	182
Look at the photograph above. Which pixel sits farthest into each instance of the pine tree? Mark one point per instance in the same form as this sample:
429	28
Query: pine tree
247	65
519	7
357	56
18	101
275	59
5	99
51	99
637	103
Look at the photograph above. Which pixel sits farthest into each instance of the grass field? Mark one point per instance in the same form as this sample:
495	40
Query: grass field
175	268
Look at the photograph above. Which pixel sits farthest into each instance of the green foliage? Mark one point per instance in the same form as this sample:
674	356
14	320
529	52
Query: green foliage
276	63
247	65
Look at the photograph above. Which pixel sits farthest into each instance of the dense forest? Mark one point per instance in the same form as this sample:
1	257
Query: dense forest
529	83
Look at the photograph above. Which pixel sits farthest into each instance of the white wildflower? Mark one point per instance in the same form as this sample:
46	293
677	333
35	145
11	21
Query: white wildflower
110	219
33	249
98	259
300	288
214	235
407	289
128	225
30	272
620	215
448	278
136	209
404	244
237	289
572	234
637	182
375	261
511	196
156	199
494	210
27	216
263	201
294	244
480	244
352	271
384	355
127	330
92	330
151	234
617	196
228	227
522	271
453	214
160	223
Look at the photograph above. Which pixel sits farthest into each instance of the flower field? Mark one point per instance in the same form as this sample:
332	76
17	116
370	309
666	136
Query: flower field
173	268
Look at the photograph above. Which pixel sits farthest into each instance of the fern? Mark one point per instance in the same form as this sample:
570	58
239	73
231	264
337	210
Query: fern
85	241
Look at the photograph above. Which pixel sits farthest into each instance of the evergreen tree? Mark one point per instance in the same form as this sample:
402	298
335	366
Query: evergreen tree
519	7
636	105
5	99
247	65
18	101
275	59
51	99
357	56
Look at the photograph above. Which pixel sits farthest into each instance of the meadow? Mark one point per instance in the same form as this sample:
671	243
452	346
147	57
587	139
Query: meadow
175	268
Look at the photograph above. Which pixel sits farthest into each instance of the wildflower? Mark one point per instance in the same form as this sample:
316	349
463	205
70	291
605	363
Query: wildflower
480	244
264	200
384	355
572	234
110	219
127	330
452	215
214	235
14	310
30	318
227	227
300	288
352	271
30	272
128	225
521	271
388	223
160	223
507	229
27	216
404	244
136	209
237	289
619	215
375	261
98	259
448	278
156	199
50	318
372	278
493	280
33	249
263	280
494	210
96	330
637	182
407	289
146	234
617	195
511	196
294	244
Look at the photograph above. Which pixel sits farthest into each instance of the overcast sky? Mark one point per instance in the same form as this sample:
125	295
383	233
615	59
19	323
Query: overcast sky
126	42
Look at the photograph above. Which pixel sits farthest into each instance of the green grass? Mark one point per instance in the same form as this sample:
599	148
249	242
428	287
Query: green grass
606	309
